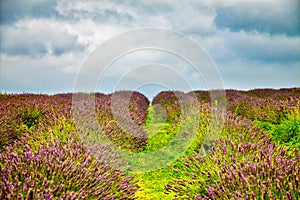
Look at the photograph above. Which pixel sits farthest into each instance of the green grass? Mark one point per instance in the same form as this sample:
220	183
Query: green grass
153	184
287	132
160	133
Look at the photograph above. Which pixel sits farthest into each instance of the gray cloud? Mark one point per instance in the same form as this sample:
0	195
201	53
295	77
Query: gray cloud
38	37
272	17
226	46
13	10
102	13
45	42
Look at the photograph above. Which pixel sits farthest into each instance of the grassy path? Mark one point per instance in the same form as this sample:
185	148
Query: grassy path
153	183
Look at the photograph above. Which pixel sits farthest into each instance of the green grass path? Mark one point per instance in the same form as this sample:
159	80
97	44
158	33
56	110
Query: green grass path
153	183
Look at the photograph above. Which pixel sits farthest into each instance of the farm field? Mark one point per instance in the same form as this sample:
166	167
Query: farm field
49	150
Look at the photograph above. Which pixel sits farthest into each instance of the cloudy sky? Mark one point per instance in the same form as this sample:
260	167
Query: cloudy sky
253	43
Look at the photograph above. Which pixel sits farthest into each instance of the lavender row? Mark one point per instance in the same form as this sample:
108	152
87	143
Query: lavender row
60	171
244	164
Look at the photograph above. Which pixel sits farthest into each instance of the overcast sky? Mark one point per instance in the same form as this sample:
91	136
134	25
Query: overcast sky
43	44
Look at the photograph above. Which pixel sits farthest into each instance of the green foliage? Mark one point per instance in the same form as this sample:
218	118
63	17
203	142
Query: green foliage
263	111
62	129
17	123
152	184
244	165
287	131
30	117
160	131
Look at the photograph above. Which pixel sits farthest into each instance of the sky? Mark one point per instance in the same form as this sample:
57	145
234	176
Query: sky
252	43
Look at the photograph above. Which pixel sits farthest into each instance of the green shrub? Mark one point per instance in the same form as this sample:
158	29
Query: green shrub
31	117
287	131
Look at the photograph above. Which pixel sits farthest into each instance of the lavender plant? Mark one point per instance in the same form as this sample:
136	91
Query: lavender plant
22	112
42	156
243	165
60	171
263	105
119	127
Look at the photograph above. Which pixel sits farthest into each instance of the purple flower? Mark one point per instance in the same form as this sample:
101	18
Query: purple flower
224	150
210	191
48	196
20	197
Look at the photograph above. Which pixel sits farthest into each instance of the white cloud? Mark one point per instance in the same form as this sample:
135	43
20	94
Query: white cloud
224	46
38	36
245	74
46	74
45	49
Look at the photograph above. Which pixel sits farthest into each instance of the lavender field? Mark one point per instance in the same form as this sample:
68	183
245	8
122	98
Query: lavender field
45	153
